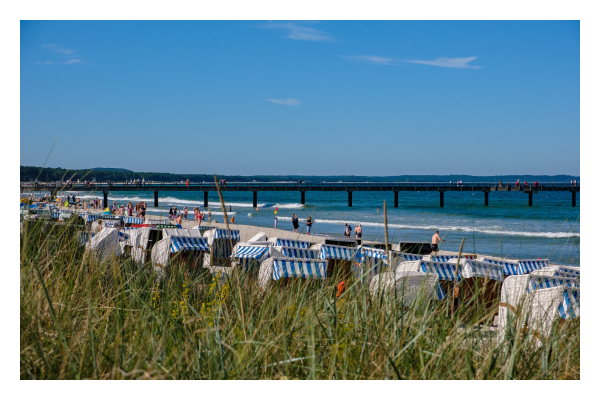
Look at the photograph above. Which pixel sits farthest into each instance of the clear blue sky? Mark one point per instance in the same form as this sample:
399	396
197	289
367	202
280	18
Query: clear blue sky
313	98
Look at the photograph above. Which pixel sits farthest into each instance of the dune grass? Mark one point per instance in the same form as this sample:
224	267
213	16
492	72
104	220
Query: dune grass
84	318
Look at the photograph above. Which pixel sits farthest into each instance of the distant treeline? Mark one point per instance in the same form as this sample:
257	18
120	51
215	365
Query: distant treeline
116	175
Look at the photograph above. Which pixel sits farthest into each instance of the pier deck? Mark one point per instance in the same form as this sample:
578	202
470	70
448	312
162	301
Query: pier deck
304	187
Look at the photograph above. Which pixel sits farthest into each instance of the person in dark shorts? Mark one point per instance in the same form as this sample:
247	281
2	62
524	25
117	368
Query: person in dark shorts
295	223
347	230
358	231
435	239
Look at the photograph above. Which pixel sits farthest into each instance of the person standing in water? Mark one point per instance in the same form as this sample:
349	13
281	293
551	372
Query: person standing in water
435	239
358	231
347	230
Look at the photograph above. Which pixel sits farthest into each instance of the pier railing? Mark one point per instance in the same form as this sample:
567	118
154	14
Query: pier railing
303	187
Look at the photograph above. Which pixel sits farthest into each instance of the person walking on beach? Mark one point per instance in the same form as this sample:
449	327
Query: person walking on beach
309	223
347	230
185	212
435	239
178	221
295	222
170	212
209	215
358	231
275	222
230	208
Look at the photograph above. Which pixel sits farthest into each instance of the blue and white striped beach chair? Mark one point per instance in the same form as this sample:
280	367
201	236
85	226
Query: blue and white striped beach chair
292	243
331	252
509	267
295	268
179	243
527	266
544	282
295	252
411	257
569	308
483	269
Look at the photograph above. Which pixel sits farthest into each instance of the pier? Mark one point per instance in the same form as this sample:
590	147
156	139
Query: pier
348	187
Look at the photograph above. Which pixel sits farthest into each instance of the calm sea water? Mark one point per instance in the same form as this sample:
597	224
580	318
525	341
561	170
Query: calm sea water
508	227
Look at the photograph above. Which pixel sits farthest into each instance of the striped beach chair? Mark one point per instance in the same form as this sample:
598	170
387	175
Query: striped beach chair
444	271
509	267
537	281
411	257
331	252
569	307
299	268
527	266
133	220
227	234
483	269
295	252
292	243
179	243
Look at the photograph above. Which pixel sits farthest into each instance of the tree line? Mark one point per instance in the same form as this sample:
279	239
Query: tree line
29	174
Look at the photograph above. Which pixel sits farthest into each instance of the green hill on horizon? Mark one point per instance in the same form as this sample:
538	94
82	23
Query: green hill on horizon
29	173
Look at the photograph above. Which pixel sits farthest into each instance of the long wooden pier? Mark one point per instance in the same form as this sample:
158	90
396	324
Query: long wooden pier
304	187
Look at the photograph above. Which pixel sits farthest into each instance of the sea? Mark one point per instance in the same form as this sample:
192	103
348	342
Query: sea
508	227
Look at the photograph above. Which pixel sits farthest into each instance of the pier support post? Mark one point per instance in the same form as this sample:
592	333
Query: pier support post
156	198
205	199
487	195
441	198
254	199
396	199
302	197
530	199
574	199
349	199
105	203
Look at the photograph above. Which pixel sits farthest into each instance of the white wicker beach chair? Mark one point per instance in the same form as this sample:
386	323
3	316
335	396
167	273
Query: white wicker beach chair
408	285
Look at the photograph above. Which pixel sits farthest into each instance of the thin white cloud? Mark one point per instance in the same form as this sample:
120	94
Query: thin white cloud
298	32
58	49
448	62
73	58
287	102
371	59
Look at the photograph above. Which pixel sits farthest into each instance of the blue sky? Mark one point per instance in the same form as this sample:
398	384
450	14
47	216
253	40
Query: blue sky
314	98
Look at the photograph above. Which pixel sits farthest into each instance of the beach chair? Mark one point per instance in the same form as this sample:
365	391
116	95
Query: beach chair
408	286
107	243
509	266
179	246
295	252
249	256
273	269
527	266
532	308
290	243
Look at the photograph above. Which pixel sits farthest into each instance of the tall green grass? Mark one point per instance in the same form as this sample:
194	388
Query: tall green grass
84	318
